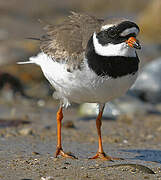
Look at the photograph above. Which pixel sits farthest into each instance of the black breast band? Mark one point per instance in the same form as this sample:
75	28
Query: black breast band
113	66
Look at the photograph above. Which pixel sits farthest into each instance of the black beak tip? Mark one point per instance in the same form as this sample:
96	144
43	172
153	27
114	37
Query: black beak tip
137	46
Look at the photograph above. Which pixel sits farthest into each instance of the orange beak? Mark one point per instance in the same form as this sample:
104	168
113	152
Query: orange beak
133	42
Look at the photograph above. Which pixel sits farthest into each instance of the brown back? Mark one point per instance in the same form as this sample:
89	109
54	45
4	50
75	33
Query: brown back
68	41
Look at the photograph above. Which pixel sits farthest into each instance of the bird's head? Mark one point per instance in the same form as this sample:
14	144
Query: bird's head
117	37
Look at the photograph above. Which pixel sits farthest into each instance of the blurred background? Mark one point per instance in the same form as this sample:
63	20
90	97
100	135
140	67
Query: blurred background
19	20
28	110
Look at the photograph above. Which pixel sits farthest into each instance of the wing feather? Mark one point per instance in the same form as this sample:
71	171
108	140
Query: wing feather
67	41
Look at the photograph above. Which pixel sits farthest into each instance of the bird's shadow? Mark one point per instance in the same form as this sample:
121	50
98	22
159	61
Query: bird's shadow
89	118
146	154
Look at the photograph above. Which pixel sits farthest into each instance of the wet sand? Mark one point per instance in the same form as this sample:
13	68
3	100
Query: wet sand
27	149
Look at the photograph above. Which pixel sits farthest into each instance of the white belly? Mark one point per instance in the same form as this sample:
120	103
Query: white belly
99	90
84	86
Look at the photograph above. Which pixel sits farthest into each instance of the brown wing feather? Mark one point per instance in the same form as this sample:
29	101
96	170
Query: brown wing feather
68	40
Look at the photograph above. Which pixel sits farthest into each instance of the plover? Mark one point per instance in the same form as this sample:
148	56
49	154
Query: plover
87	59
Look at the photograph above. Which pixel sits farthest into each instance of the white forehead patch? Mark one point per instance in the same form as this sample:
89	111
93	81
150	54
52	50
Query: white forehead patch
129	31
106	27
121	49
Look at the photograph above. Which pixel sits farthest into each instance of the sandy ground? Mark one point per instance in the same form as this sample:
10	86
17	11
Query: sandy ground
28	141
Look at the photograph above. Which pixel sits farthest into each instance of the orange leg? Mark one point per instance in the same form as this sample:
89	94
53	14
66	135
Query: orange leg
59	149
100	153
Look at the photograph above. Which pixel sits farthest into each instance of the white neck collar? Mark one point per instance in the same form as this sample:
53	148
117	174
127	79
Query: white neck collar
121	49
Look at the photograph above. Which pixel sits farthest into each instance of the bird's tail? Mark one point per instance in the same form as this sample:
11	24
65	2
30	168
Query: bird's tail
26	62
34	59
38	59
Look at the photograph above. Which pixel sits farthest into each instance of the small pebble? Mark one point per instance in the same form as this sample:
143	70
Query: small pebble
41	103
47	178
68	124
96	165
133	170
146	177
25	131
91	167
150	136
125	141
64	167
35	153
67	163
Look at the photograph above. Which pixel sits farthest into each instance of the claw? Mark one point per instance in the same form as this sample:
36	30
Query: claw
103	156
59	151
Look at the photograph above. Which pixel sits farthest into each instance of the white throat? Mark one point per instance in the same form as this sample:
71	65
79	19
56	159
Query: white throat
121	49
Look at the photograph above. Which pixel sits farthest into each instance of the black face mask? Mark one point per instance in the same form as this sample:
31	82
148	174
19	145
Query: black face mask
112	34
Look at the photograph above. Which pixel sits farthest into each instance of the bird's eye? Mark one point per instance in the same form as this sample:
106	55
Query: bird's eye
112	32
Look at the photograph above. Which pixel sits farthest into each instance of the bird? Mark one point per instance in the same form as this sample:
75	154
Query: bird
88	59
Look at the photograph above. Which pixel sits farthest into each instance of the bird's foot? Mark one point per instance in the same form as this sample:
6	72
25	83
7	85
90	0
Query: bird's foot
59	151
103	156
